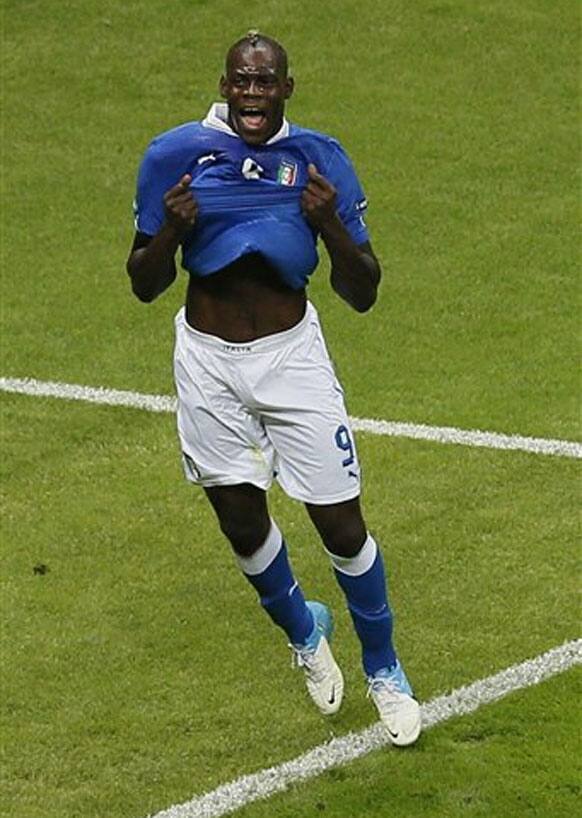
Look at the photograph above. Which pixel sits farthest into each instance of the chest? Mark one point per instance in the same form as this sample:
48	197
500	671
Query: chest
239	162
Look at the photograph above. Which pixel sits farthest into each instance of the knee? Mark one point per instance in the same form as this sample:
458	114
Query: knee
242	515
344	538
246	535
346	543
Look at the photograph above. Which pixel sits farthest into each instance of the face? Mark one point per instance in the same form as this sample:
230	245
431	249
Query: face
256	89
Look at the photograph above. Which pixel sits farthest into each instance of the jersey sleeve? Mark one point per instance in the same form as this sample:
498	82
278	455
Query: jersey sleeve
352	203
152	183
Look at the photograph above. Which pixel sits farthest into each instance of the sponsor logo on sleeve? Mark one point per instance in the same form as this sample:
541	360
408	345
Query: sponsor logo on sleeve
361	208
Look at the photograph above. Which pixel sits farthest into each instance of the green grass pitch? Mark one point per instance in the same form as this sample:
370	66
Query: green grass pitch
139	669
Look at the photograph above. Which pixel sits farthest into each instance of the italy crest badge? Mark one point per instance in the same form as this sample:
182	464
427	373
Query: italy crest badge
287	173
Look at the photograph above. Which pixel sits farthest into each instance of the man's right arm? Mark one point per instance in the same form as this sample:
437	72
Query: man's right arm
151	266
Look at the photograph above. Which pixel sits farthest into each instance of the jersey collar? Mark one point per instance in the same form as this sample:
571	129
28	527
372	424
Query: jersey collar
217	118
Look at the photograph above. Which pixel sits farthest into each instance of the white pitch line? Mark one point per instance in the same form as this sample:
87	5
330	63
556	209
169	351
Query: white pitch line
472	437
435	434
90	394
237	794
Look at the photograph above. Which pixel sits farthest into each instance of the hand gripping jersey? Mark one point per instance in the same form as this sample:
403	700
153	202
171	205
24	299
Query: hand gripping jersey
249	196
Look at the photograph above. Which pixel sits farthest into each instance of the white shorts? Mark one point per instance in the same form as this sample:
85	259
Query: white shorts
271	408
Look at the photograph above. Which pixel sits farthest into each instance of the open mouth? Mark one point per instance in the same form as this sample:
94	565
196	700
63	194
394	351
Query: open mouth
253	118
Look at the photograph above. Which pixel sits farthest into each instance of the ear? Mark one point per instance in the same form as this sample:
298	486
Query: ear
289	87
222	87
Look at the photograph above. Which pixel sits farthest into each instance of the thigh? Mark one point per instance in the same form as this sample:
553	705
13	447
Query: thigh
306	419
243	515
317	460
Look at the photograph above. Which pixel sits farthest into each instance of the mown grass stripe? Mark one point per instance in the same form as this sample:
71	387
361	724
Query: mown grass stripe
435	434
237	794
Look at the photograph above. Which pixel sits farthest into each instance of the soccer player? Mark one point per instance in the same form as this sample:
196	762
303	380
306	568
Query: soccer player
245	195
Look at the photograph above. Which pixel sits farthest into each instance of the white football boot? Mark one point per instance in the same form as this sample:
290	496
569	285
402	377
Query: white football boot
325	683
399	711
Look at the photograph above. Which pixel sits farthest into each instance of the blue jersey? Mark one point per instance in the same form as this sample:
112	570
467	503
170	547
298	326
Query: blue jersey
249	196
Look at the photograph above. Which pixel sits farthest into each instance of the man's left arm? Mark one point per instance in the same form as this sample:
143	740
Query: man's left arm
355	271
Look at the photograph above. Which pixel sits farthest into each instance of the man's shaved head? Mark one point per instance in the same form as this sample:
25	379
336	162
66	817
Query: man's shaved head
256	87
254	40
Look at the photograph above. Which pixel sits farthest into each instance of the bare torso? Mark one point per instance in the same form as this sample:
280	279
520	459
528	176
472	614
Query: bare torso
244	301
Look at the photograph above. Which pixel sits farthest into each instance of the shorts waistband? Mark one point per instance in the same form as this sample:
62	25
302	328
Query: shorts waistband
277	340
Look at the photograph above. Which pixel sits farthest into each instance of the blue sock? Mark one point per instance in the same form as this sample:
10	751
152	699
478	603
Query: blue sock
268	570
363	582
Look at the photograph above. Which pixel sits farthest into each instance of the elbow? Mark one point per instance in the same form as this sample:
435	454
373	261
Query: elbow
363	305
359	302
359	291
145	296
366	306
143	293
361	299
371	296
